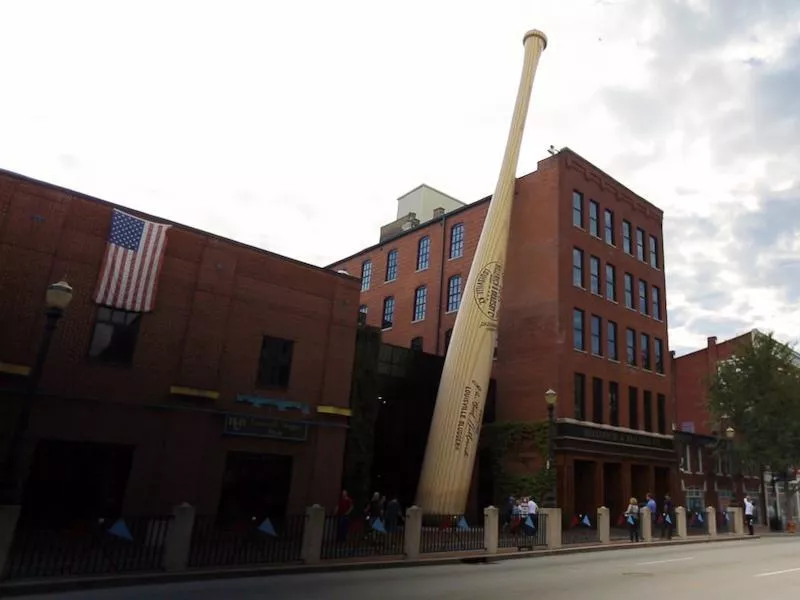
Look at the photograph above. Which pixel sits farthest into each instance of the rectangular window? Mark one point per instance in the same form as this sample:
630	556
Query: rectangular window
594	218
597	336
633	408
577	210
642	296
640	244
699	459
114	336
597	400
453	293
655	302
628	290
366	275
457	240
626	237
580	397
578	336
594	274
644	343
391	265
654	262
274	362
661	413
611	337
687	458
420	302
609	227
611	282
388	312
424	253
648	410
658	352
362	314
613	403
417	344
577	268
630	346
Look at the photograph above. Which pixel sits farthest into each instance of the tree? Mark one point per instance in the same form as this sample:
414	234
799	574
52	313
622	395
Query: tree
757	393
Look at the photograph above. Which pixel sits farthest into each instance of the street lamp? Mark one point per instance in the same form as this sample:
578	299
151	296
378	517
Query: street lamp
57	298
551	398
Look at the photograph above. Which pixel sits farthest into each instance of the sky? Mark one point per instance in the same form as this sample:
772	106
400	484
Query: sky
295	126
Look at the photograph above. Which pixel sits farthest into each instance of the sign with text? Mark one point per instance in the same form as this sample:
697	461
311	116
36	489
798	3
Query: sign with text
613	436
266	428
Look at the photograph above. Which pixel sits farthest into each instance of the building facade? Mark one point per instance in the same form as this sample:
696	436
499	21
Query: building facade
232	394
583	312
708	476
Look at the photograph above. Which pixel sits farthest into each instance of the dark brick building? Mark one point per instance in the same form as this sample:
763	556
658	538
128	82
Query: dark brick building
708	477
233	393
583	312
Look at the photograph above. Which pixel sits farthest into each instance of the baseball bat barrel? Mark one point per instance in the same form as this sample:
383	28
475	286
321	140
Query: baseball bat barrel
453	437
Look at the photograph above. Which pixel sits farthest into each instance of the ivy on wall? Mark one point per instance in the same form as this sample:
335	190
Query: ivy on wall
506	439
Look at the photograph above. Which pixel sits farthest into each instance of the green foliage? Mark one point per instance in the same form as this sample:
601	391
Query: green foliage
757	393
502	441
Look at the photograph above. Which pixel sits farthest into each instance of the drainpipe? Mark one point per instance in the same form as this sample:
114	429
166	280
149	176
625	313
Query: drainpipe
443	237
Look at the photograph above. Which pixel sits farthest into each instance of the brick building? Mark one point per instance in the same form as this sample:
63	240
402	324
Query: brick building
708	477
583	312
232	394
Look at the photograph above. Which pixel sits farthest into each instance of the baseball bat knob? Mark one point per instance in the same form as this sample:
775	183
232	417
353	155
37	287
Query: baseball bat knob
536	33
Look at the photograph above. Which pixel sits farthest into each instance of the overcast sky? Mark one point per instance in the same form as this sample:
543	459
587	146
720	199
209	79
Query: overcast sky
294	126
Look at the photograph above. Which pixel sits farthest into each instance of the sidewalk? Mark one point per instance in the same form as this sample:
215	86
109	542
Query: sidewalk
51	585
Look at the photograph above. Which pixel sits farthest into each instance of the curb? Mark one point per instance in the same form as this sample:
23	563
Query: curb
46	586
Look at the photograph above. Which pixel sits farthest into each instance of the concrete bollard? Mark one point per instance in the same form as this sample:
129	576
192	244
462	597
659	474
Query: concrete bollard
735	520
711	521
311	551
413	532
646	520
604	525
680	522
491	529
552	532
179	538
9	515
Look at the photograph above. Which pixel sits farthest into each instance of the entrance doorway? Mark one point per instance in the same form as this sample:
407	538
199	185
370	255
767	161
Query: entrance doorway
585	501
662	482
70	482
640	481
612	489
255	486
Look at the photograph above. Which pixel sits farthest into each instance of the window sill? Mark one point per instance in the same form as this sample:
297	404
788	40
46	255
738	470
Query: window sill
612	300
423	269
600	356
386	328
613	360
579	350
390	280
451	312
596	237
581	227
612	244
598	294
455	257
422	320
579	287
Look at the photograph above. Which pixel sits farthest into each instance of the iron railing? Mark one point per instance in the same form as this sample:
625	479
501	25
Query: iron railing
92	547
696	523
582	529
254	541
450	533
518	533
350	537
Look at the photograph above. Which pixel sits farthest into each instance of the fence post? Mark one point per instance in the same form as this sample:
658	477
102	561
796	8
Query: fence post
413	532
312	534
9	515
603	525
711	521
178	542
552	524
491	529
647	525
680	522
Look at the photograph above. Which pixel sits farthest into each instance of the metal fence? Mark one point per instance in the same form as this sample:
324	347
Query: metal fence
723	523
349	537
519	533
95	547
582	529
246	543
450	533
696	523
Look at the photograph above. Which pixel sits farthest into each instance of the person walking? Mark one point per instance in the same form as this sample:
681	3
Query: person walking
749	509
632	518
668	517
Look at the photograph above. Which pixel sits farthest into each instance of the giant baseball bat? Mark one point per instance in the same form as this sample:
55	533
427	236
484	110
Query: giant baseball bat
452	441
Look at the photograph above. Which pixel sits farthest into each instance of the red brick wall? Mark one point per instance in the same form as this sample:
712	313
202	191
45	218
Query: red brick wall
216	300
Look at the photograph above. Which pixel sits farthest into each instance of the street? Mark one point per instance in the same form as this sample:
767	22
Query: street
757	568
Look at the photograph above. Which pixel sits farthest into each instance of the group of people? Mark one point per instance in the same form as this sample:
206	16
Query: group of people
389	513
517	512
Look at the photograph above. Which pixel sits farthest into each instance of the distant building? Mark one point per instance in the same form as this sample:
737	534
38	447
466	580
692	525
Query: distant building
232	394
583	312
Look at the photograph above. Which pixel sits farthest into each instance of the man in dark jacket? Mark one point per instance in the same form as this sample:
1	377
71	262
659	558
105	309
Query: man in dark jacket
667	517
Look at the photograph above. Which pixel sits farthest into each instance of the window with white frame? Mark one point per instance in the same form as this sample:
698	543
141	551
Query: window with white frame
699	459
695	499
724	499
687	458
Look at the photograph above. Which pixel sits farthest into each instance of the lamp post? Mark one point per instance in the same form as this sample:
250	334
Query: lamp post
57	299
551	398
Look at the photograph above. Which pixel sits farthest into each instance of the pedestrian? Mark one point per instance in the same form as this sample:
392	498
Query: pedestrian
343	510
533	512
668	517
651	506
392	514
632	517
749	509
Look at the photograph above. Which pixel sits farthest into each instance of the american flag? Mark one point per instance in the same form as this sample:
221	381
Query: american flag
134	253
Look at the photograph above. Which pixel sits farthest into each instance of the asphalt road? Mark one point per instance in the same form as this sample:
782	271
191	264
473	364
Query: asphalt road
769	567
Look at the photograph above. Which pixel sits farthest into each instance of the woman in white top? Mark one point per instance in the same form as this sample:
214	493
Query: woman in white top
632	518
